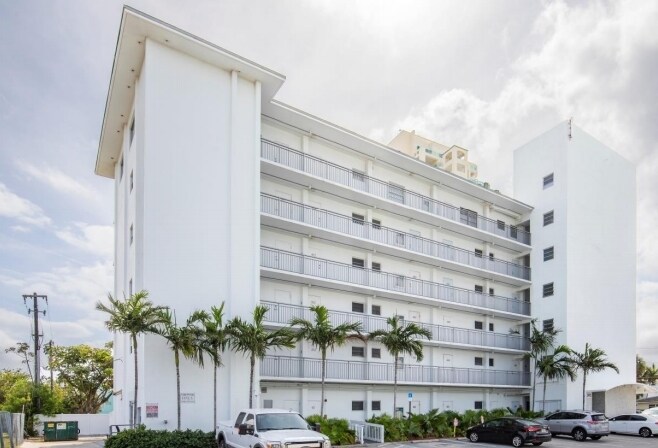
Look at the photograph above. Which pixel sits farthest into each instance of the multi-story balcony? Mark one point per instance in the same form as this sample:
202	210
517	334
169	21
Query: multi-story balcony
296	216
280	313
296	267
277	368
313	171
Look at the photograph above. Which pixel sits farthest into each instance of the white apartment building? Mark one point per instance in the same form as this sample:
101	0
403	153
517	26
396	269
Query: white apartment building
224	193
583	257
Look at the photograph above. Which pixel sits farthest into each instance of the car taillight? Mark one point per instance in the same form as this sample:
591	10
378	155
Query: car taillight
534	428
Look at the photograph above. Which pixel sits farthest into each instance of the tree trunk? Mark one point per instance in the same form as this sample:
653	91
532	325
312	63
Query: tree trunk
134	337
543	403
584	382
534	385
324	367
251	381
395	385
214	402
176	361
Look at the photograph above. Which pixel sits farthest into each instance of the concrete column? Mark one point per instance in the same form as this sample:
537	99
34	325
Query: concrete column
370	167
303	405
368	405
305	143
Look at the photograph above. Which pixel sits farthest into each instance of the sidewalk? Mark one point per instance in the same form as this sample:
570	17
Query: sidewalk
83	442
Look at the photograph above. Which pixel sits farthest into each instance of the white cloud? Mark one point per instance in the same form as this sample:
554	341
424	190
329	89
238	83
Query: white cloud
57	180
21	229
96	239
21	209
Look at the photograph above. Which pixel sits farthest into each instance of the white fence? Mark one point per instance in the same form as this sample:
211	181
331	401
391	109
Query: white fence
367	431
88	424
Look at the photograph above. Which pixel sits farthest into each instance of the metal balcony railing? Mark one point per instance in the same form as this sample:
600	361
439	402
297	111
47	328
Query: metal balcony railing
291	367
325	219
331	270
282	313
357	180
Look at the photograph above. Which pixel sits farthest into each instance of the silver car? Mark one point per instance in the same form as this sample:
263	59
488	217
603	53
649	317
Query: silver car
578	424
645	425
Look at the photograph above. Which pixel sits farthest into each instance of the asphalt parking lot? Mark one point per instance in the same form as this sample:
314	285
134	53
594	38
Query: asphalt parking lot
611	441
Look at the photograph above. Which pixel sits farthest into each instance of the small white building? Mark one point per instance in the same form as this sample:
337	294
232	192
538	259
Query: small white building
224	193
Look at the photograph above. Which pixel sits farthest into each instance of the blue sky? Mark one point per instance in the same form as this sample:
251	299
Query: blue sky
484	75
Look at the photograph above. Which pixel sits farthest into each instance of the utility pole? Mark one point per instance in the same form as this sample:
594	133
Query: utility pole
37	341
50	363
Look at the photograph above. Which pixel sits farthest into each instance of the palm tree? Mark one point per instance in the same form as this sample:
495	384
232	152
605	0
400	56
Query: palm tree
556	366
321	334
540	343
640	369
400	339
253	339
591	360
650	375
135	315
214	343
185	340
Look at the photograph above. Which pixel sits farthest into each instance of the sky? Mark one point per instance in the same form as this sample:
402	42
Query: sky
487	76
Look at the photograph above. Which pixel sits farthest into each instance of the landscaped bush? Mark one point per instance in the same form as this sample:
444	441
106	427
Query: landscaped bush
146	438
337	429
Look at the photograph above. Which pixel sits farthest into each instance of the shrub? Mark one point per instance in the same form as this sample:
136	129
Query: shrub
337	429
146	438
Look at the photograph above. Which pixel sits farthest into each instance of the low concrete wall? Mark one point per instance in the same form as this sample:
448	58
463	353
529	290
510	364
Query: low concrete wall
89	424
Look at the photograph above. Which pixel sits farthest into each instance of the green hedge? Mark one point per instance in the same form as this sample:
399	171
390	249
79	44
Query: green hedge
146	438
336	429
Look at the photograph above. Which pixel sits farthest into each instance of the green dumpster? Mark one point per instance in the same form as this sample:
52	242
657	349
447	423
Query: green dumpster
53	431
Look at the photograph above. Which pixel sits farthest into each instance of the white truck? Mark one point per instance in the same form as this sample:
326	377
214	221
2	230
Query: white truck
269	428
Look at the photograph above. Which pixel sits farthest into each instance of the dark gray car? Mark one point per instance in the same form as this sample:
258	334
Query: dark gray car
578	424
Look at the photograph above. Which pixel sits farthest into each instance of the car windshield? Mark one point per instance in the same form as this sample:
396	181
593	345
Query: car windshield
269	422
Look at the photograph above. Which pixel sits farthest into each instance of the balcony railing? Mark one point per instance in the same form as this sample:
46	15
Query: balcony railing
290	367
282	313
325	219
331	270
357	180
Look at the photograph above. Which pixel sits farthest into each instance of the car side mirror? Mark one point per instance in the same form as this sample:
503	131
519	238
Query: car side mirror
242	429
316	427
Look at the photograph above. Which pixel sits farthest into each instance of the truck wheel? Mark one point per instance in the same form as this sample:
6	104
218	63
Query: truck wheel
221	443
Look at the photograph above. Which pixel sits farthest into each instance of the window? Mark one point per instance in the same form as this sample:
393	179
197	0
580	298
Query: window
268	404
357	307
376	353
358	351
376	224
491	291
132	130
376	310
491	256
395	193
548	218
357	405
239	419
400	362
477	405
376	405
479	325
548	289
513	231
131	234
547	326
468	217
479	288
132	181
121	169
491	326
549	253
548	180
358	219
358	176
399	281
479	361
478	253
491	362
376	266
399	238
500	224
358	262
